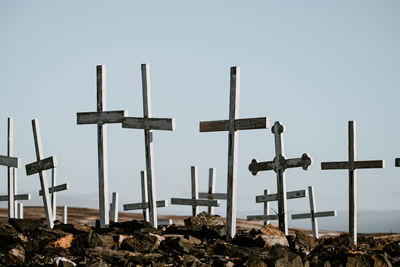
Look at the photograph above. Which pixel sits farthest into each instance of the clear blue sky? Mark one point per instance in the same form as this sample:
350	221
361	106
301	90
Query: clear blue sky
312	65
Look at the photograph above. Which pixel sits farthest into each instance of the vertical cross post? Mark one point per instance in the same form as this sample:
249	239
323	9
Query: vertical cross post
53	194
10	153
195	192
114	207
20	210
352	165
64	215
211	186
266	209
143	181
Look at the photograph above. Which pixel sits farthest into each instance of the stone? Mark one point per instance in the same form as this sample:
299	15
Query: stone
205	219
14	256
25	225
358	260
64	262
267	236
130	227
306	241
63	242
178	244
140	242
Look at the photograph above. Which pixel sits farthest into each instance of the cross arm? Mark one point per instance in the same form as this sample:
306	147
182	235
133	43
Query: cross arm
195	202
262	217
57	188
316	214
101	117
289	195
213	195
10	161
255	166
41	165
16	197
145	205
149	123
305	161
240	124
366	164
369	164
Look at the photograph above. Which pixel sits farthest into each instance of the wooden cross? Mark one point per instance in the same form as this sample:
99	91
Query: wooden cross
266	198
194	201
232	125
39	167
279	164
313	213
20	210
11	163
101	118
144	205
352	165
53	189
64	214
211	190
114	207
148	124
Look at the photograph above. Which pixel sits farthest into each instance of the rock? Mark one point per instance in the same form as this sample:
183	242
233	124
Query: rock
24	225
8	235
265	237
358	260
62	242
254	262
290	260
205	219
140	242
380	260
14	256
306	241
179	244
108	241
64	262
272	236
130	227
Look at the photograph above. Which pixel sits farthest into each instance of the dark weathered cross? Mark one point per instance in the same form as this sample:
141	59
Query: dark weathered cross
11	163
144	205
195	202
211	190
266	198
313	215
232	125
279	164
352	165
148	124
101	118
40	166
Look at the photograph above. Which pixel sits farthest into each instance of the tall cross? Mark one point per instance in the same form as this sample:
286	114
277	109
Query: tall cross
194	201
211	190
279	164
148	124
40	166
232	125
11	163
266	198
352	165
313	213
101	118
144	205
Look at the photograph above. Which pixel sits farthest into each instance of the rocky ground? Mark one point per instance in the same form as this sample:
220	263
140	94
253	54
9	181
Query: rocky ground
200	241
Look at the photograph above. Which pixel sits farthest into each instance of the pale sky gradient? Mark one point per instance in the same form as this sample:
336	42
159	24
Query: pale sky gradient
312	65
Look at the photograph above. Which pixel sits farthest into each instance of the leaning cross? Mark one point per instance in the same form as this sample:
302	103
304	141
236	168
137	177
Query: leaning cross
12	163
144	205
147	123
39	167
279	165
266	198
313	213
53	189
232	125
194	201
352	165
101	118
211	190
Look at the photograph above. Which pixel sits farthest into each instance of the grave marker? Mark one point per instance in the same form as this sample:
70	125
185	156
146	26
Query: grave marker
148	124
232	125
39	167
64	215
352	165
211	190
266	198
101	118
144	205
279	164
194	201
114	207
313	213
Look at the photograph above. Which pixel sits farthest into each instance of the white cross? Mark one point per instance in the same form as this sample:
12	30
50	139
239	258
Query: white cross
279	165
232	125
11	163
211	190
39	167
194	201
101	118
144	205
266	198
352	165
313	213
148	124
114	207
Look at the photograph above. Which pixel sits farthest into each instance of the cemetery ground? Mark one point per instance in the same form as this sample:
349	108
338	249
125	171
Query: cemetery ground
190	241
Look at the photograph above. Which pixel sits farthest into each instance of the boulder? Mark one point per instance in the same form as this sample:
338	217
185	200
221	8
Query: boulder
140	242
15	255
305	241
205	219
267	236
130	227
25	225
62	242
179	244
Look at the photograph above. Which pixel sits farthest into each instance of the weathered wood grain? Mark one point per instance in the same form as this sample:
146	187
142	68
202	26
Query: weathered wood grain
195	202
41	165
16	197
221	196
262	217
114	207
239	124
101	117
316	214
274	197
56	188
149	123
10	161
145	205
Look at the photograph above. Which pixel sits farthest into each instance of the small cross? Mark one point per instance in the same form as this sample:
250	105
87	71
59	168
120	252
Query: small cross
114	207
266	198
101	118
39	167
313	213
194	201
211	190
144	205
279	165
148	124
352	165
232	125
